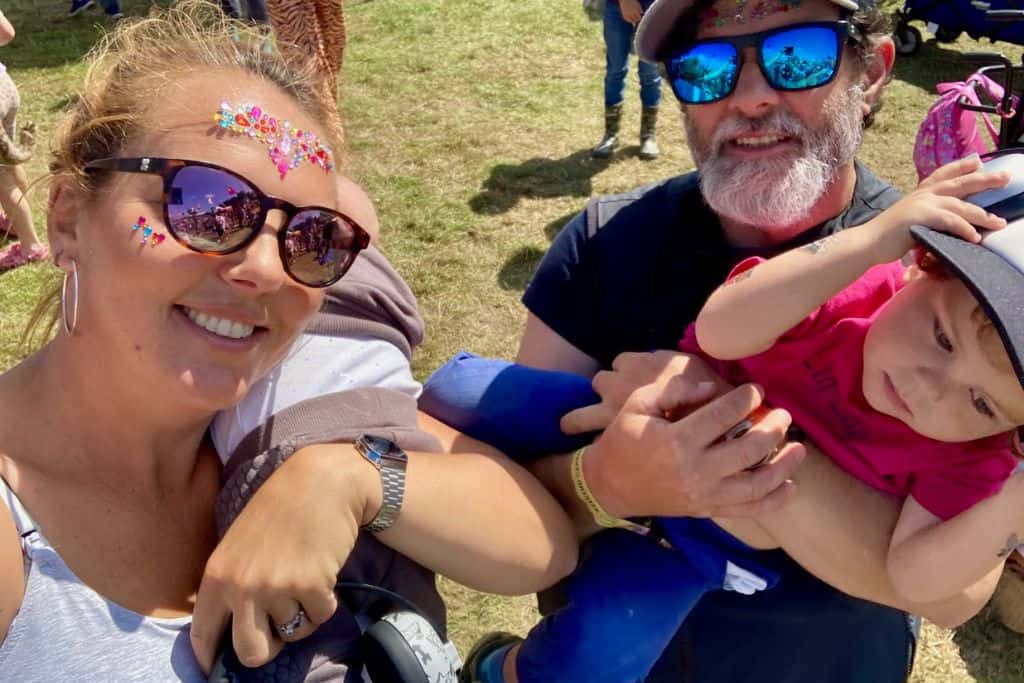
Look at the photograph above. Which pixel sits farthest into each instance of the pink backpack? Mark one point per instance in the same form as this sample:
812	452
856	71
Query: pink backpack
949	131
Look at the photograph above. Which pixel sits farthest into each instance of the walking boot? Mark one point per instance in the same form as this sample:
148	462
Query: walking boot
648	145
612	119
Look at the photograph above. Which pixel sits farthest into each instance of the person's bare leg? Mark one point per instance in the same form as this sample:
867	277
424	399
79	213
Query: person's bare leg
15	205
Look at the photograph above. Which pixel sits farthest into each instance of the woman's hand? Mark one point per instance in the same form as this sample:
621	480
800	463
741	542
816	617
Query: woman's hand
938	203
283	553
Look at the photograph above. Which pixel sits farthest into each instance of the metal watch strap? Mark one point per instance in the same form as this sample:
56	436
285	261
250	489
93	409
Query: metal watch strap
392	479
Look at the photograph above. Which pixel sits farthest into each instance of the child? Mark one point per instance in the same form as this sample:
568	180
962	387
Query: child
13	182
905	378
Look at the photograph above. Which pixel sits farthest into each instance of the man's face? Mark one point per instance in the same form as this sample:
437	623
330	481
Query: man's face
766	157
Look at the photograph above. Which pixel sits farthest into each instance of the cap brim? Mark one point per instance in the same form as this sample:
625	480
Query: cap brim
996	283
660	20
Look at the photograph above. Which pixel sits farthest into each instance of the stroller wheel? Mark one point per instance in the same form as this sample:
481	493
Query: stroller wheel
946	35
907	39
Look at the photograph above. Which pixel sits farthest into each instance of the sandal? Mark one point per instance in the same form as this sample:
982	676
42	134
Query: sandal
13	256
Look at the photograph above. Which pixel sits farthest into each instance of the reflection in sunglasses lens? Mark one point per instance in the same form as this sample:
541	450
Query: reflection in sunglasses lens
319	247
706	73
801	58
211	210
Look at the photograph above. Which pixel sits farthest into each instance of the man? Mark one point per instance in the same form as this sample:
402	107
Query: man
775	150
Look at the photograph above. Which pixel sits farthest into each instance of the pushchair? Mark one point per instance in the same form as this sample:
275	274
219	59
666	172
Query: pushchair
992	19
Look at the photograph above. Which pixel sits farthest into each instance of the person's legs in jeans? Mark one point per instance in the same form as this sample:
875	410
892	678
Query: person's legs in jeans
618	42
111	7
257	11
650	97
232	8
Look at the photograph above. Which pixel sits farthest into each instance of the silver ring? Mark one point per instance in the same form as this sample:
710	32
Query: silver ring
288	628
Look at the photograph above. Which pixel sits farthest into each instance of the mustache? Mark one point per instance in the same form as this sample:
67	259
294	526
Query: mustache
777	121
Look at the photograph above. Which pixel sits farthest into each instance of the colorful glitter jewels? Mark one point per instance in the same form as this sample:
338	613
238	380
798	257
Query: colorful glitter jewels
148	235
289	146
711	17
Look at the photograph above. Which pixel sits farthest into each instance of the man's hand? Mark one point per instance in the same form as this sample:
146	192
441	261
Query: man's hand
629	372
631	10
645	464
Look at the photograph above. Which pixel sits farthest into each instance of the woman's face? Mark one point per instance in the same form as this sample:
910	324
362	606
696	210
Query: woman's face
190	328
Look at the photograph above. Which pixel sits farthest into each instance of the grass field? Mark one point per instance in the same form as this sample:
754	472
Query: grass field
469	123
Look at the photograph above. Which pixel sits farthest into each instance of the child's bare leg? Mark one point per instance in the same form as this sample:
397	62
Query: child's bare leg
15	204
748	531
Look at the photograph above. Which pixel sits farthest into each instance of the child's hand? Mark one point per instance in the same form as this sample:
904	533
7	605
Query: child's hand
937	203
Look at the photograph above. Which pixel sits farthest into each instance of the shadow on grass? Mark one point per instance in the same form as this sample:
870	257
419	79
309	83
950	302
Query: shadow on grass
938	63
554	227
519	268
540	178
991	651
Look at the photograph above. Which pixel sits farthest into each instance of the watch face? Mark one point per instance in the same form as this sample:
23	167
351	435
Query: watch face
381	447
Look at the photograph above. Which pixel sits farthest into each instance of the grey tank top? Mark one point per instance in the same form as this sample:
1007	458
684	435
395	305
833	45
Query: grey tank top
65	631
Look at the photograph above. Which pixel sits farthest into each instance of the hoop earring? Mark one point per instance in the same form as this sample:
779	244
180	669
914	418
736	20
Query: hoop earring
69	328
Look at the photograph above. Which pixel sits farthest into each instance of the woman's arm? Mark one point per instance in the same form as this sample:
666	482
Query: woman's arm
747	314
930	560
12	571
477	518
501	533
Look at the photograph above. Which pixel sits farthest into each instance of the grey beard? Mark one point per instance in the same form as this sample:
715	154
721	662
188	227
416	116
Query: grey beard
775	193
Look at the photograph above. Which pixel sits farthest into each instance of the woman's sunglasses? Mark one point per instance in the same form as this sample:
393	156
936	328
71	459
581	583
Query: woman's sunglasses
212	210
795	57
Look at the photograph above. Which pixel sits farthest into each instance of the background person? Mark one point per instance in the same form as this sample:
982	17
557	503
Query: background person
13	183
620	20
107	535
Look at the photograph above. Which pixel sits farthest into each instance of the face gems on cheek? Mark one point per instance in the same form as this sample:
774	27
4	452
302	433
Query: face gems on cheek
712	18
147	231
289	146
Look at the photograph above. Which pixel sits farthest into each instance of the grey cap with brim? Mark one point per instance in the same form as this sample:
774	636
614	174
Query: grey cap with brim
993	269
660	20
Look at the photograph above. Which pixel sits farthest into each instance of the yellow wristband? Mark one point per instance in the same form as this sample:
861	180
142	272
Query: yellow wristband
600	515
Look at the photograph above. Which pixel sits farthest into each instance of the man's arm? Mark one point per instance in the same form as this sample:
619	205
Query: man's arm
648	464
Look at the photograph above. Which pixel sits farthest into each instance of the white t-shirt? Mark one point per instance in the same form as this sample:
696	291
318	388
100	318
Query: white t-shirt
316	365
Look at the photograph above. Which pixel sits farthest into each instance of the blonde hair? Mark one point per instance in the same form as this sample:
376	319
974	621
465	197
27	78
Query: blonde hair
129	70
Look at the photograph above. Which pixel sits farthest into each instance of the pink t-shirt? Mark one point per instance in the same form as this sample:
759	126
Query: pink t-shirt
814	372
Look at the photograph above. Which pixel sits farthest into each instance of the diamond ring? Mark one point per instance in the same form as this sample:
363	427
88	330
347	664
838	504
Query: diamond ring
288	628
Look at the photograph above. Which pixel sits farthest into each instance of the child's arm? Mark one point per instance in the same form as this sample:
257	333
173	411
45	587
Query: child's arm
746	315
930	560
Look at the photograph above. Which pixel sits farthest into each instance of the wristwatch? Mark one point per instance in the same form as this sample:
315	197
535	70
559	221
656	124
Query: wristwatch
390	460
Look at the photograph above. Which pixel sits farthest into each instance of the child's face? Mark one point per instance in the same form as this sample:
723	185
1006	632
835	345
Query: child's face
924	365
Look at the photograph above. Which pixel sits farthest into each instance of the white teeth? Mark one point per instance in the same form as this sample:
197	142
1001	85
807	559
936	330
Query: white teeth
759	141
220	326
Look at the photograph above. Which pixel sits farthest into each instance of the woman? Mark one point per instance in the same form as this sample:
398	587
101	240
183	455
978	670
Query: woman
109	479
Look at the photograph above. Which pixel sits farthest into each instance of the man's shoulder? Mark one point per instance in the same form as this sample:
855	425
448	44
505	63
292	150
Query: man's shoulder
662	200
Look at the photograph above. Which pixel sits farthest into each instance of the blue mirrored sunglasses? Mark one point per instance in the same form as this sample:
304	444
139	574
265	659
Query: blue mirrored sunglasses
794	57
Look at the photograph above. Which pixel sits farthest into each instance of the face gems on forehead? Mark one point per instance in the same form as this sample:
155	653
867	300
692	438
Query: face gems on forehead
289	146
712	18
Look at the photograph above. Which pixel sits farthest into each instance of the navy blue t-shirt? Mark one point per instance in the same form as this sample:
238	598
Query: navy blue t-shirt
634	284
